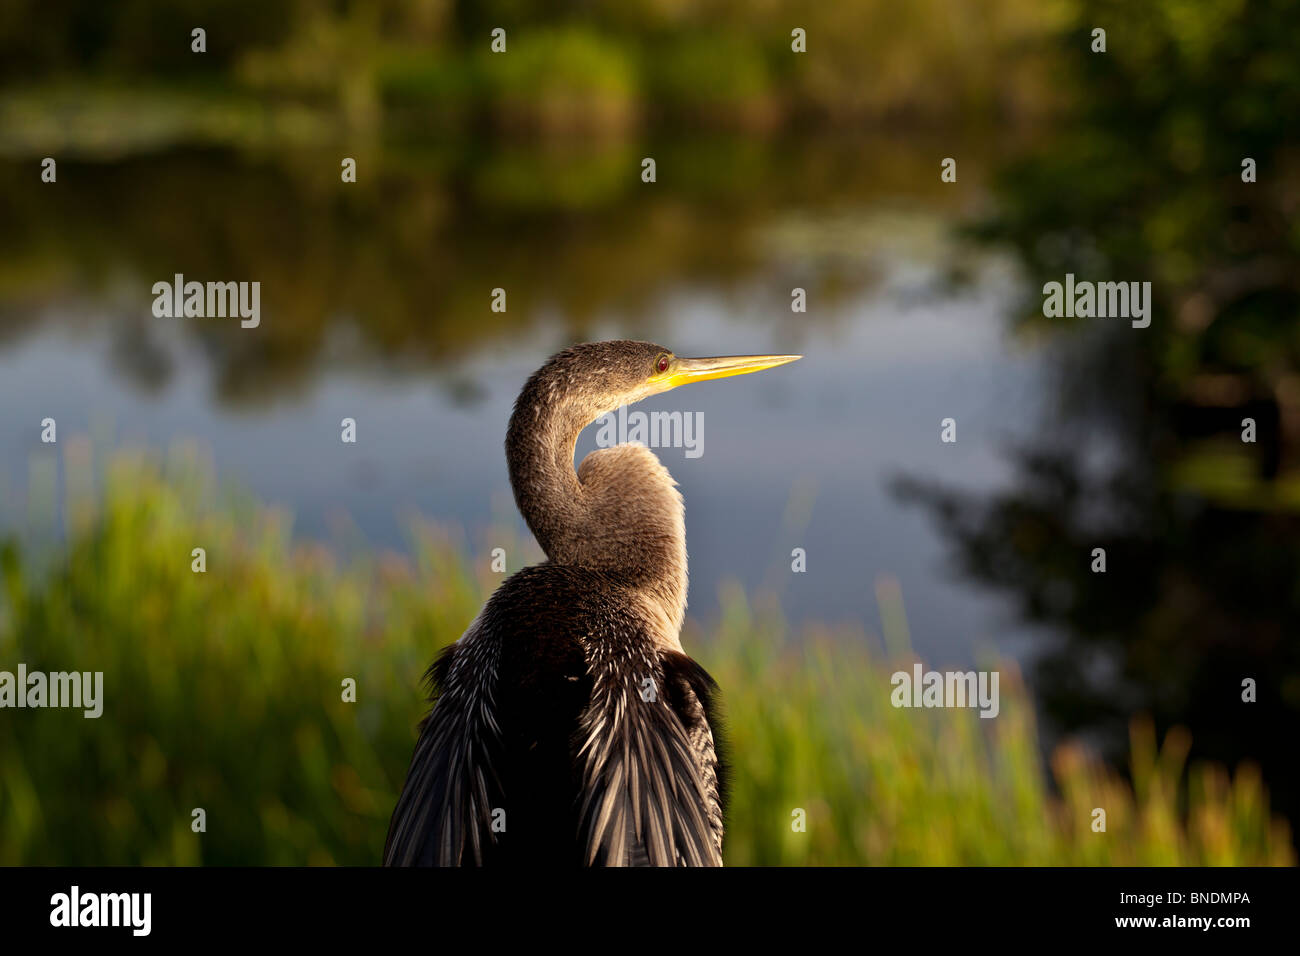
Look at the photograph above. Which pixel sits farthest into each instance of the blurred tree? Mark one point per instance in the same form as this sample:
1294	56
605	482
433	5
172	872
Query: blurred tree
1143	454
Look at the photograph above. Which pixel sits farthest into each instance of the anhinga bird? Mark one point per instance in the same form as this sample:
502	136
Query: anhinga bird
568	725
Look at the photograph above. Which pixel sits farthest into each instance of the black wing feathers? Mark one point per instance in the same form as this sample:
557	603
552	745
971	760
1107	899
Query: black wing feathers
562	710
444	815
651	785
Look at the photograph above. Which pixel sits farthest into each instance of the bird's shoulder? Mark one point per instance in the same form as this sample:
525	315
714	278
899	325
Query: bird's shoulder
548	607
552	619
547	589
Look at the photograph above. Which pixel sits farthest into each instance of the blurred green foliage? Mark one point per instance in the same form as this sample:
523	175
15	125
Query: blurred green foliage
558	80
602	66
223	691
1143	452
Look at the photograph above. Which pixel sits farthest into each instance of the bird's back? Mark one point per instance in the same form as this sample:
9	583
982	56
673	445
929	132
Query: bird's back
563	731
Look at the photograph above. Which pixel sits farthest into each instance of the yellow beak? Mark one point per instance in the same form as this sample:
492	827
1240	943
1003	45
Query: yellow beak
683	371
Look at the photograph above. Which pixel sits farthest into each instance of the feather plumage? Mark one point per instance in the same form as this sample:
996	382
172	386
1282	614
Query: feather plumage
567	725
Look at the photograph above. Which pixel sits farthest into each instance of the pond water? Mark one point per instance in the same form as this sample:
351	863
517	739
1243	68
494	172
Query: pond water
375	305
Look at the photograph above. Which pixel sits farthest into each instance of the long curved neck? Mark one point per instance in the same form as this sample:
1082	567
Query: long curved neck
539	450
622	515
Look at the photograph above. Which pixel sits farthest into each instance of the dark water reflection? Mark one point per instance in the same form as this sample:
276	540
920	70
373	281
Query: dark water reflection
1144	453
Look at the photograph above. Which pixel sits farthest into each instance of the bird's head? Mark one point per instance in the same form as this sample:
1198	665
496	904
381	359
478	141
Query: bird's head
621	509
602	376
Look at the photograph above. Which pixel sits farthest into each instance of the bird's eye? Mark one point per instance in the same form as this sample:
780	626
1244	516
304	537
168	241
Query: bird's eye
662	364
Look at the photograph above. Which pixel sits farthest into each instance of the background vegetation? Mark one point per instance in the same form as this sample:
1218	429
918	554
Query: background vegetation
314	68
223	691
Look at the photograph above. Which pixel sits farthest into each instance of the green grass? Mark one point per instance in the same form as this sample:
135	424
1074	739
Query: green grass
223	691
